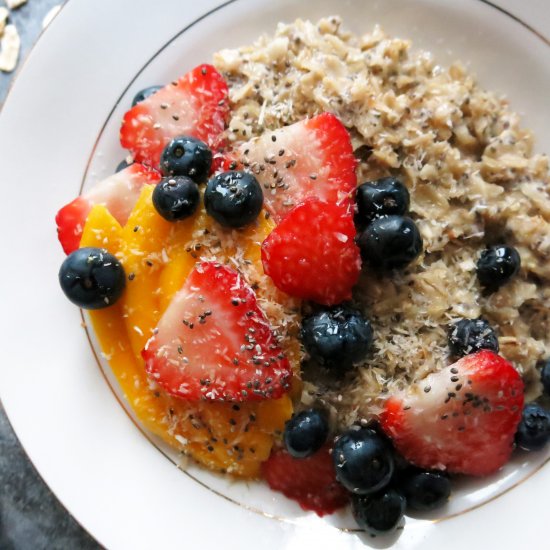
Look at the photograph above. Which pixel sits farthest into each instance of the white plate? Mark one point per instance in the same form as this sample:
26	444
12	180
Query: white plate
59	128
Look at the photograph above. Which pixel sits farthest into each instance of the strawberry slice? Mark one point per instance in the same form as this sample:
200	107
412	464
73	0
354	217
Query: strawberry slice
196	105
312	158
310	481
214	342
119	193
312	254
461	419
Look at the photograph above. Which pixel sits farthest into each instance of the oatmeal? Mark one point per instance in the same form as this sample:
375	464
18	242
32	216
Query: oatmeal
473	178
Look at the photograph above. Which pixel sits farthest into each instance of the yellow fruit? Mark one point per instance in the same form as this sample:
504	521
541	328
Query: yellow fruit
157	260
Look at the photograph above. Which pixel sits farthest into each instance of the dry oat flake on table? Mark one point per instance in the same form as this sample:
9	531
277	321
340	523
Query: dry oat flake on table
472	174
10	43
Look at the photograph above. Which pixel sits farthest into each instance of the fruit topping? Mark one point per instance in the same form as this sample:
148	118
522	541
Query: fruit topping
176	197
461	419
142	95
186	156
311	158
310	481
305	433
471	335
425	490
118	193
195	105
383	197
312	255
380	513
545	376
122	165
92	278
338	337
534	429
234	198
214	342
390	242
363	460
497	265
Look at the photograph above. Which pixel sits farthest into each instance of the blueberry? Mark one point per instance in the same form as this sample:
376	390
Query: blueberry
92	278
176	198
534	428
497	265
145	93
305	433
186	156
391	242
233	199
337	337
122	165
471	335
379	513
363	461
383	197
425	490
545	375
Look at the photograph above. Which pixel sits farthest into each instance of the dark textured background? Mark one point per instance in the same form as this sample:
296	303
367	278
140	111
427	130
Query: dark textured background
31	518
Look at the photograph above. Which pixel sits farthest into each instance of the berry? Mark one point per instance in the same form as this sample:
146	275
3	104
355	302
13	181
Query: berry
119	193
233	199
312	255
200	349
461	419
195	105
122	165
383	197
312	158
471	335
497	265
92	278
142	95
310	481
176	198
425	490
186	156
337	337
363	461
391	242
534	429
305	433
379	513
545	376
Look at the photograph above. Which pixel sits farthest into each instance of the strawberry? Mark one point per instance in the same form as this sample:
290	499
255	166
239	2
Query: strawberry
310	481
312	254
312	158
461	419
214	342
195	105
118	193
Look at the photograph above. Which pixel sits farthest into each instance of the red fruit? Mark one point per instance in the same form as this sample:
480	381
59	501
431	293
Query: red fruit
196	105
214	342
461	419
118	193
310	481
312	254
312	158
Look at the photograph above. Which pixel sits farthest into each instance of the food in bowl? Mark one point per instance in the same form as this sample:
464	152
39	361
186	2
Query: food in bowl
325	266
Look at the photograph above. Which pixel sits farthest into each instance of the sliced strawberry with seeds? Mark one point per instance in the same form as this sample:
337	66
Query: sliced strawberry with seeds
195	105
312	254
213	342
119	193
310	481
461	419
312	158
